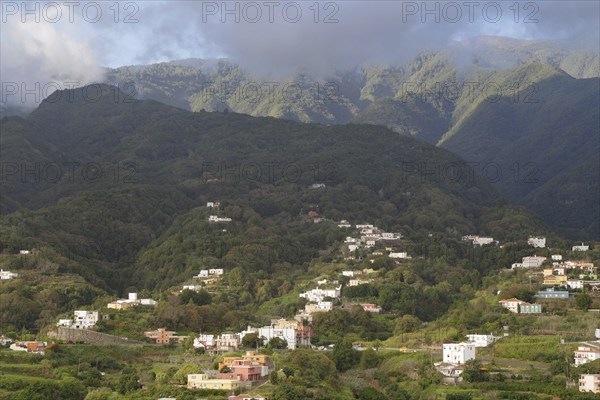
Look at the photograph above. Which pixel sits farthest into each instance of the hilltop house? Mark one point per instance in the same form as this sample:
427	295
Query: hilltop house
574	283
520	307
356	282
318	294
551	293
581	247
458	353
481	340
262	359
399	255
555	280
478	240
81	320
538	242
205	273
163	336
204	381
321	306
4	275
85	319
195	288
218	344
131	301
243	370
292	331
530	262
589	383
215	218
30	347
371	308
586	354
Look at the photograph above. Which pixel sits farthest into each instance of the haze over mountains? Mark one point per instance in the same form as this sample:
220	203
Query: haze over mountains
477	95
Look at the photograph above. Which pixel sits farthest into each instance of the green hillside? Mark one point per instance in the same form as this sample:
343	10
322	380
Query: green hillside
129	169
431	97
544	139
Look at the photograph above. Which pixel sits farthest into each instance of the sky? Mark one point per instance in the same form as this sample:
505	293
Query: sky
62	43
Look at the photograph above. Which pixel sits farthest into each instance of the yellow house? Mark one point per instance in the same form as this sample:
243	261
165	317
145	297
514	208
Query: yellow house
259	358
262	359
202	381
555	279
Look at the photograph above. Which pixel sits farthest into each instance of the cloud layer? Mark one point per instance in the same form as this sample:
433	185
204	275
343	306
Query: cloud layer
71	44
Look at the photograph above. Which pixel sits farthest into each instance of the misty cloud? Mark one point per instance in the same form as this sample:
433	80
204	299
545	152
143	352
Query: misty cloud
270	37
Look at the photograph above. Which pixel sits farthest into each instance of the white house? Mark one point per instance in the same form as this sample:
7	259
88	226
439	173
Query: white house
390	236
344	224
586	354
287	334
202	274
512	304
85	319
214	218
458	353
356	282
538	242
363	226
589	383
322	306
481	340
195	288
213	204
65	322
530	262
132	300
348	273
478	240
582	247
215	271
7	274
399	255
556	257
225	341
575	283
352	247
318	294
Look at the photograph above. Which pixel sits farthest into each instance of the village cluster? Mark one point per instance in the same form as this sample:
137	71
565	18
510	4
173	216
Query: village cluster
243	372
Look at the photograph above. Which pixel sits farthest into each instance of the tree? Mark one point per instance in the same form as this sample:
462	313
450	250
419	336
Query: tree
344	356
473	372
370	393
274	377
369	359
277	343
128	381
583	301
252	340
200	298
289	392
408	323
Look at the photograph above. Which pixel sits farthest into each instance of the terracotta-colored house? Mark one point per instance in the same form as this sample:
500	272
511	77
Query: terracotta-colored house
243	370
